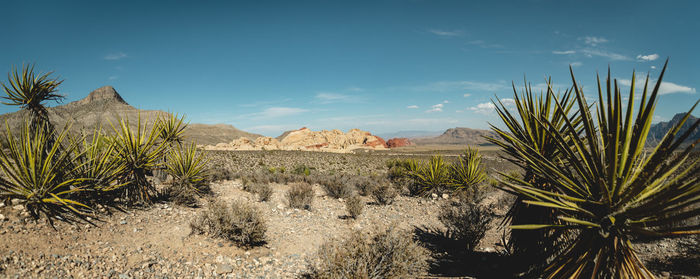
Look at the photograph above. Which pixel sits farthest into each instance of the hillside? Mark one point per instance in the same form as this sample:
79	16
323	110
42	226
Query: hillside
104	106
458	135
658	130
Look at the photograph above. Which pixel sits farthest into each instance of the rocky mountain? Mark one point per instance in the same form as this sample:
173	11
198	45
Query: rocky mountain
307	140
411	134
658	130
458	135
105	105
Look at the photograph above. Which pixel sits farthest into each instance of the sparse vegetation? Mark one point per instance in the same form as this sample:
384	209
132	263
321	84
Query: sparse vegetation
354	206
262	190
337	186
384	194
387	254
241	223
466	222
300	195
187	167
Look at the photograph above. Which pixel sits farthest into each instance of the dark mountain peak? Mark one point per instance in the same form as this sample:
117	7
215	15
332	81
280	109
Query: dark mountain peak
104	93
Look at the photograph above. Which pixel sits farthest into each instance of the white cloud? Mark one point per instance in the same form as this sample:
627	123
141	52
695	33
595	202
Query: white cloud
576	64
330	97
488	108
436	108
593	41
650	57
483	44
562	52
610	55
467	95
444	33
653	67
115	56
412	107
113	77
275	112
666	87
445	102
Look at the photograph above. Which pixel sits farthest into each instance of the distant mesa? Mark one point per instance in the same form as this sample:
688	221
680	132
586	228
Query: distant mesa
104	93
307	140
457	136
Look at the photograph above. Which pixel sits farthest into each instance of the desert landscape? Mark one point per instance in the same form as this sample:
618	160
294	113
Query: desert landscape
367	140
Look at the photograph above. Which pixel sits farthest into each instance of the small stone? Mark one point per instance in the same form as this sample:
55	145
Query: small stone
280	206
15	201
18	207
224	269
2	217
434	196
445	196
122	222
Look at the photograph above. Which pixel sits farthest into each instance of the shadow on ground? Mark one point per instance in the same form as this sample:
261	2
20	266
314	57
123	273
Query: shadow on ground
453	260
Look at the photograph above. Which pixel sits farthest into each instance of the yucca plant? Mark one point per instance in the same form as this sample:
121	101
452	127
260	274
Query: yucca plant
432	176
30	91
607	189
96	161
467	172
34	171
139	152
188	167
171	128
529	125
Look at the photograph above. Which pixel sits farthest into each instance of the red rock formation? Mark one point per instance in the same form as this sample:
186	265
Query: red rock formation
317	146
398	142
378	142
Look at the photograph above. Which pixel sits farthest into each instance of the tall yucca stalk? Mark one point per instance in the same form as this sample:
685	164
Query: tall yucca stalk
140	153
33	170
467	172
607	189
530	126
30	91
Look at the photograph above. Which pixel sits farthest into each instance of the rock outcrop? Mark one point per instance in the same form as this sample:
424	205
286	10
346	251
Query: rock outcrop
398	142
305	139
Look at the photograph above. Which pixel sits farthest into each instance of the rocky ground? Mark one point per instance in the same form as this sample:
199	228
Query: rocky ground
156	241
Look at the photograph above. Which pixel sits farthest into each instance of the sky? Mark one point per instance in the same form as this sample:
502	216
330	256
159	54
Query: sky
381	66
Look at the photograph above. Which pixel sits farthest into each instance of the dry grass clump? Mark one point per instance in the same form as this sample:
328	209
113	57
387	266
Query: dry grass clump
262	190
466	222
365	185
354	206
384	194
338	186
387	254
301	195
181	195
241	223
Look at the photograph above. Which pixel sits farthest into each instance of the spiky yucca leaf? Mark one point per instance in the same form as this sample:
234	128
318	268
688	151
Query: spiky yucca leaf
608	189
97	161
30	91
139	152
187	166
33	170
432	176
527	130
171	128
467	171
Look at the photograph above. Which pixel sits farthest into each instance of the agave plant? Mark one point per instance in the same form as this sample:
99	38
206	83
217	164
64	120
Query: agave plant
467	171
33	170
607	189
30	91
139	152
529	126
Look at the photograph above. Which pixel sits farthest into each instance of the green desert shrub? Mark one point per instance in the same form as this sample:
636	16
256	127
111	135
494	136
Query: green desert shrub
606	188
30	91
94	160
364	185
432	176
302	170
40	172
386	254
240	223
189	172
466	222
354	206
384	194
467	172
300	195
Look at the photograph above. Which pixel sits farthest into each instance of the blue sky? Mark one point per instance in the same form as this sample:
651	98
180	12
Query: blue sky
382	66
